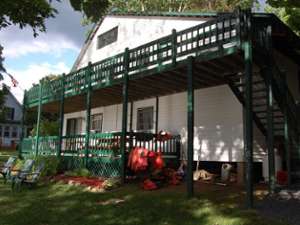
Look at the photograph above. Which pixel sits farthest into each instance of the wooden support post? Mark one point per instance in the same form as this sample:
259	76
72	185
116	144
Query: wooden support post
61	115
156	119
249	114
39	119
270	117
131	127
190	127
174	47
287	136
22	125
88	113
124	114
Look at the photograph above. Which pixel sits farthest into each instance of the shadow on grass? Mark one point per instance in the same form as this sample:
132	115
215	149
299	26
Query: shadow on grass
65	205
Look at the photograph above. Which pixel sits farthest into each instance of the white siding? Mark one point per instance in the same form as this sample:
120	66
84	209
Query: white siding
11	102
218	123
131	33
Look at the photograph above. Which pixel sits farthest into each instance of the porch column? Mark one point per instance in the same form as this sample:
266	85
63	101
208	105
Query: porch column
287	136
22	134
190	127
124	113
270	117
38	119
61	114
247	45
130	126
156	119
88	113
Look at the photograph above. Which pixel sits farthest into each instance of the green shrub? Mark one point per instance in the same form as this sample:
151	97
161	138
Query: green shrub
50	165
82	172
19	164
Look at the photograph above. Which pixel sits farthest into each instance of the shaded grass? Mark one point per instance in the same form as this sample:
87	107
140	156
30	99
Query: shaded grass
59	204
62	205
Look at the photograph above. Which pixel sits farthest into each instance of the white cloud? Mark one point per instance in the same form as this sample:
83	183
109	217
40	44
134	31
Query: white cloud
64	32
54	44
32	74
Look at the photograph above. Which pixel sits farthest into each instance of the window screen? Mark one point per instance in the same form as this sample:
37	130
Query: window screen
6	131
145	119
14	132
107	38
96	123
74	126
9	113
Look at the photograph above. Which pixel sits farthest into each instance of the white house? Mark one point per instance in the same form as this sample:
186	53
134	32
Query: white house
10	128
154	64
218	113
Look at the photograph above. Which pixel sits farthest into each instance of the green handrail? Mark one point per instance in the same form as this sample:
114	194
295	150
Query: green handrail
196	40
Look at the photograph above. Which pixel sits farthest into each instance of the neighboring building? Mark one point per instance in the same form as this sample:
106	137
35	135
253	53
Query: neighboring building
10	128
157	71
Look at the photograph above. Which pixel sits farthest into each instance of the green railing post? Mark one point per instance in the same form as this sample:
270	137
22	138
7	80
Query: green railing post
270	109
156	119
286	134
190	127
61	114
174	46
130	127
39	119
22	134
124	114
88	112
248	60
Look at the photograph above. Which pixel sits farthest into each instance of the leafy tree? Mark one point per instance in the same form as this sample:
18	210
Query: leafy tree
3	88
181	5
288	11
47	128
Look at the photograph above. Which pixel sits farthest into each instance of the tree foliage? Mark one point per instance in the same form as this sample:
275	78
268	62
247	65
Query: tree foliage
288	11
181	5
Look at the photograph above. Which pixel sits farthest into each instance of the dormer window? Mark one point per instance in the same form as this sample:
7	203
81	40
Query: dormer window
107	38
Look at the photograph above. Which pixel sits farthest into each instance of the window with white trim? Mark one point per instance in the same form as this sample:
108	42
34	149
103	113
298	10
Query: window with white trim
74	126
145	119
96	123
7	131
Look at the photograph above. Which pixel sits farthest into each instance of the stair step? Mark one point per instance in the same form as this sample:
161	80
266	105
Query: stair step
259	97
265	111
253	83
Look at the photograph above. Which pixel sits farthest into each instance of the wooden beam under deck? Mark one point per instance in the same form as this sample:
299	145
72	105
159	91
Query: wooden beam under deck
206	74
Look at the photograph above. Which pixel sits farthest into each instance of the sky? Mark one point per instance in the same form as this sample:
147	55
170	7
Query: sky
29	59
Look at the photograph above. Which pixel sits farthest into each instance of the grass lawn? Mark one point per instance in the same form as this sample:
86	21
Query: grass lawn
60	204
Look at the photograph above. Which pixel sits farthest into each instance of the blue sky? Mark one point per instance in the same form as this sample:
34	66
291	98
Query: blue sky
29	59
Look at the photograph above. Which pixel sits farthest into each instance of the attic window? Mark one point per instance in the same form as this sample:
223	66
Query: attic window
107	38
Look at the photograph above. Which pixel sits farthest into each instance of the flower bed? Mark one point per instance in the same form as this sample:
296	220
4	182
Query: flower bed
78	180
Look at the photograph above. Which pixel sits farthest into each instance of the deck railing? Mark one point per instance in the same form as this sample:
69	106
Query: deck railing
200	40
100	144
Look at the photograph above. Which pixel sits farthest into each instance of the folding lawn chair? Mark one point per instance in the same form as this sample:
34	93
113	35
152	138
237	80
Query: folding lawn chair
30	178
5	170
26	168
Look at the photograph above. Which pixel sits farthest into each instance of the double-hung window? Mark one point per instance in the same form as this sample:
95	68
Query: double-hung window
145	119
96	123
